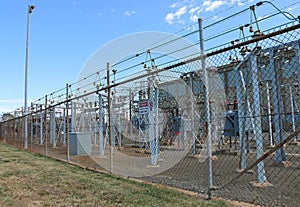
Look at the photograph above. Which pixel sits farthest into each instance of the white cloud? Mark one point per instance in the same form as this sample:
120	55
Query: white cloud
180	12
212	5
181	22
238	2
129	13
171	17
195	9
174	5
194	18
206	3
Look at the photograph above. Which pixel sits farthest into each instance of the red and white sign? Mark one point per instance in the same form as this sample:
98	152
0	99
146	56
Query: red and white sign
144	107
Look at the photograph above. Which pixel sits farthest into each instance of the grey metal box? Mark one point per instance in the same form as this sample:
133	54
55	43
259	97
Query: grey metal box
80	143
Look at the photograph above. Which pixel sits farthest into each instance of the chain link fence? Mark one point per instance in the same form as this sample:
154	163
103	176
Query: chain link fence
224	122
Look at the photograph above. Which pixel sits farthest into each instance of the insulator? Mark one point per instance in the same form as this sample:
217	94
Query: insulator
250	29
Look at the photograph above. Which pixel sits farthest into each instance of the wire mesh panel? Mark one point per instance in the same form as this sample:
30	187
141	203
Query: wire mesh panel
225	122
258	156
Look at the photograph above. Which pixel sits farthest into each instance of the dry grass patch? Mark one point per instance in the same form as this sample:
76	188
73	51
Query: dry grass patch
28	179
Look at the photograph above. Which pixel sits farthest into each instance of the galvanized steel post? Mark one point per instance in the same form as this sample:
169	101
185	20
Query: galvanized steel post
67	122
109	118
45	122
207	108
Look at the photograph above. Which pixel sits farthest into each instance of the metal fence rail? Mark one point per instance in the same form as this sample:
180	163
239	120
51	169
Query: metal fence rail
223	122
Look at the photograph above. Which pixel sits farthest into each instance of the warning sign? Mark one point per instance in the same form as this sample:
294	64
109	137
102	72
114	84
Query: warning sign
144	107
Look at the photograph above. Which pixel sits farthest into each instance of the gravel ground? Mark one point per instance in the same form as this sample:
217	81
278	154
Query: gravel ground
192	175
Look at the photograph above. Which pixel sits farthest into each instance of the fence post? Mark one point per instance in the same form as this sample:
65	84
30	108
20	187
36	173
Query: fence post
46	128
25	130
109	118
31	126
207	109
41	125
67	122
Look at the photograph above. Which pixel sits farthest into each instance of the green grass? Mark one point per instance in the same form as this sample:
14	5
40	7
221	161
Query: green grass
27	179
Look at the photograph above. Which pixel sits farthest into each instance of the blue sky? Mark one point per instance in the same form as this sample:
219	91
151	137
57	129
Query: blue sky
65	33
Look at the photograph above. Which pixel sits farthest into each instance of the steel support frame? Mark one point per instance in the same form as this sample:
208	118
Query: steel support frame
257	130
280	154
